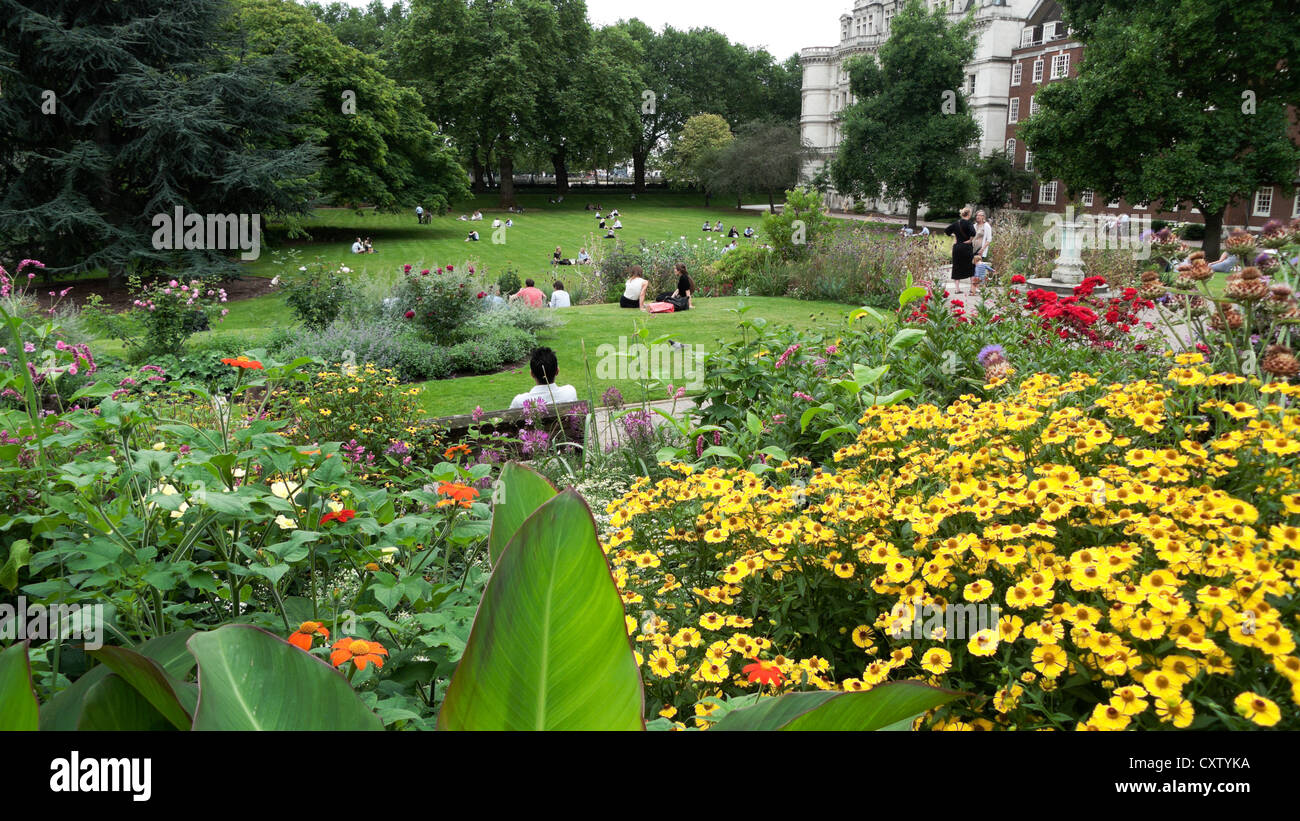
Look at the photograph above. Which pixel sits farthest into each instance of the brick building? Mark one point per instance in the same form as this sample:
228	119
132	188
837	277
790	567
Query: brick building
1048	53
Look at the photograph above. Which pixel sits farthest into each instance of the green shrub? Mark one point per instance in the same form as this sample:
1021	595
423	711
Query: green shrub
418	360
1192	231
439	303
509	282
316	293
801	223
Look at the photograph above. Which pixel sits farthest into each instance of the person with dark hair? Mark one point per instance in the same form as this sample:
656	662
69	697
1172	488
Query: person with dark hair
634	292
749	231
559	297
733	233
530	295
682	299
962	230
544	367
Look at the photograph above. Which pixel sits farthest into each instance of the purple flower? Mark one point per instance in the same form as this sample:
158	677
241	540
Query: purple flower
987	353
780	362
801	395
612	398
534	441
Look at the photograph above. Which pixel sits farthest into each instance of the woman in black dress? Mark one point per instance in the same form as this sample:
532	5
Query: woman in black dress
963	256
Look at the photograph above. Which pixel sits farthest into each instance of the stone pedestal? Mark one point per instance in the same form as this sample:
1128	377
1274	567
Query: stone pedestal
1068	271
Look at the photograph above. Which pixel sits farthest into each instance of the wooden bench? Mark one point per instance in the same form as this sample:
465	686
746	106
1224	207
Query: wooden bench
563	423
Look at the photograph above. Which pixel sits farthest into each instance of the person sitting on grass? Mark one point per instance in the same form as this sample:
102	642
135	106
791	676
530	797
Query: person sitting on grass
583	257
618	224
682	298
610	234
358	247
718	227
473	237
733	233
559	296
544	368
494	298
530	295
370	247
707	227
634	291
749	231
478	215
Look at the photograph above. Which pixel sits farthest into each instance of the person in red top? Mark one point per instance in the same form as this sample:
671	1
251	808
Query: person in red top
531	296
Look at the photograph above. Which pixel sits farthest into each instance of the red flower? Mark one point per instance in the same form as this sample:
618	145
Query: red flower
1017	280
481	294
410	314
425	272
358	651
450	269
765	672
342	516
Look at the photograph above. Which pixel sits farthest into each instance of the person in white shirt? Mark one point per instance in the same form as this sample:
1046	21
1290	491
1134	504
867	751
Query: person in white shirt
583	256
510	223
496	223
419	214
544	367
984	233
478	215
559	297
618	223
634	291
358	247
729	247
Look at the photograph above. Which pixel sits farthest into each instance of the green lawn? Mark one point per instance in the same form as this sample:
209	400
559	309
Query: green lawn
399	240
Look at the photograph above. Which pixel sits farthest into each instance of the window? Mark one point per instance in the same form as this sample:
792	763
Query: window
1016	71
1013	113
1060	66
1011	155
1086	199
1029	160
1113	204
1038	70
1142	206
970	83
1033	105
1027	195
1263	202
1047	193
1027	37
1295	205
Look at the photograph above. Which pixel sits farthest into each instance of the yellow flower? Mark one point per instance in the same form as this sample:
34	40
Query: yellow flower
1258	709
936	660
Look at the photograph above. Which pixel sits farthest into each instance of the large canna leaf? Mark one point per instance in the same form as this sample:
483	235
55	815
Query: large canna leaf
876	709
549	649
18	709
163	692
522	491
252	680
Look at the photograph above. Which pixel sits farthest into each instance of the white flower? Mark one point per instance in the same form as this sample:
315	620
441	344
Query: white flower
335	507
159	445
282	489
285	522
387	554
180	511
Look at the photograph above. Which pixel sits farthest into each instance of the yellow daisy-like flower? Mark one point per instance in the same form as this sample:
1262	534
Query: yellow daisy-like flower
862	636
663	663
936	660
1258	709
983	643
1049	659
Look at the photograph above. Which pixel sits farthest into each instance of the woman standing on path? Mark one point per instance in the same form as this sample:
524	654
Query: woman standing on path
963	253
980	248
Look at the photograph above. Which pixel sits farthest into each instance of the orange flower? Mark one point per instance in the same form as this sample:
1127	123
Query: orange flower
302	637
765	672
358	651
460	494
242	361
450	453
342	516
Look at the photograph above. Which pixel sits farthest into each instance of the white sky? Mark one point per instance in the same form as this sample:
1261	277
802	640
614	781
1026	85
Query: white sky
781	26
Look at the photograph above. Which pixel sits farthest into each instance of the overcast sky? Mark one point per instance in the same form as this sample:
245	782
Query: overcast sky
781	26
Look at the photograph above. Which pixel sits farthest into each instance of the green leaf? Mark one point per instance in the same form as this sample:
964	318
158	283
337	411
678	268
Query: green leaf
836	431
865	376
895	397
906	338
910	295
63	711
549	649
523	491
20	553
875	709
18	710
809	414
113	705
722	450
252	680
149	679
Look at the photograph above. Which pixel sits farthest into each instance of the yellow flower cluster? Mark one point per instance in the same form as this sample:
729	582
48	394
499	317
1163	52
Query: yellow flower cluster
1133	546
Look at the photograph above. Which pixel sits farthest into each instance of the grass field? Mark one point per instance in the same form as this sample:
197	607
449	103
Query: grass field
399	240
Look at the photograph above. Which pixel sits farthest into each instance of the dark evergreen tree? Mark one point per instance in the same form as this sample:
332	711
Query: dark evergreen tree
113	113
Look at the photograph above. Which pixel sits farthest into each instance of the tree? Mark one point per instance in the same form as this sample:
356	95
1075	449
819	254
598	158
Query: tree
370	30
999	181
772	156
907	130
695	150
801	222
380	147
1197	114
114	113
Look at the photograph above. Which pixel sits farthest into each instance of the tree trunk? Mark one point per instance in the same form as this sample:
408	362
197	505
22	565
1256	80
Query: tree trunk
506	199
560	160
707	197
739	203
476	169
771	202
911	214
638	169
1213	226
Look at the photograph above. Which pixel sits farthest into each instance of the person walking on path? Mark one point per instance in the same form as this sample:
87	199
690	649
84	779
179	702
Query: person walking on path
963	253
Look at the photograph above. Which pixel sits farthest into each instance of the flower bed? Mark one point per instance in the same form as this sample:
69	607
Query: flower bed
1140	540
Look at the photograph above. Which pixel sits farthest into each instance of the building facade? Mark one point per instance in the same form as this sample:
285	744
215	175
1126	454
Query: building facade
1021	46
997	26
1046	54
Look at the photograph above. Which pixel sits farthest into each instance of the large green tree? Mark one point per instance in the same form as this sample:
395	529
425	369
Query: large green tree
1175	102
905	135
113	113
765	157
380	147
694	150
